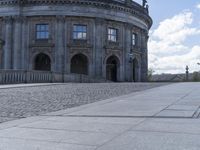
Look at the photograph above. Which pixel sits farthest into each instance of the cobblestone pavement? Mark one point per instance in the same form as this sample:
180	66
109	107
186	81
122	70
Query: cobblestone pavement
31	101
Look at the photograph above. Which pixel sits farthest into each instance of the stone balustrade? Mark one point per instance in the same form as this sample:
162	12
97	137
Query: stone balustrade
20	76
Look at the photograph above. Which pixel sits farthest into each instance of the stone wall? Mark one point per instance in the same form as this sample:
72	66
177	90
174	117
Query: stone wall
17	29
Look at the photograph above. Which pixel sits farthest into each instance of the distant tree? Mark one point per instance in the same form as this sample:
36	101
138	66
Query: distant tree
196	77
150	74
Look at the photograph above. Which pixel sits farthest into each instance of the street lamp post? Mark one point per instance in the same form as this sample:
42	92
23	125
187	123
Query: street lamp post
187	73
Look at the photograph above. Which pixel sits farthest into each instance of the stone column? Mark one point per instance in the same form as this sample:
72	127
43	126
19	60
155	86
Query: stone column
67	42
24	47
144	57
8	43
128	47
98	34
17	42
59	44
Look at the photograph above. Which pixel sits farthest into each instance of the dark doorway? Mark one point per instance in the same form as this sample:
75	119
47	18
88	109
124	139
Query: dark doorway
79	64
42	62
135	70
112	68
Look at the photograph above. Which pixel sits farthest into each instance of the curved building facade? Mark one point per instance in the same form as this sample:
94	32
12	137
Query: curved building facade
105	39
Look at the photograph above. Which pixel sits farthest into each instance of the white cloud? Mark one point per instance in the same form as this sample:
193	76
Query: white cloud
198	6
177	63
168	52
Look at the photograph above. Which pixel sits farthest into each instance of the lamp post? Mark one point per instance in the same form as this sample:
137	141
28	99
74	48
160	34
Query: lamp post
187	73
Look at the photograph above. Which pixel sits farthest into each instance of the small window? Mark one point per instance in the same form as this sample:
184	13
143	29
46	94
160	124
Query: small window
80	32
112	35
134	39
42	31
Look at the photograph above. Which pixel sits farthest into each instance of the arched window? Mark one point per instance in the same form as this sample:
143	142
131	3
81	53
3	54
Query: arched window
79	64
42	62
135	70
112	68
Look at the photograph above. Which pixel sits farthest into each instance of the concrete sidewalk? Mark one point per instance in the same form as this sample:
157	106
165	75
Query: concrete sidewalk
163	118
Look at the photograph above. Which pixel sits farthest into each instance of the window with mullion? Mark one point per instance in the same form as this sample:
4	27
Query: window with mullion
134	39
42	31
79	32
112	34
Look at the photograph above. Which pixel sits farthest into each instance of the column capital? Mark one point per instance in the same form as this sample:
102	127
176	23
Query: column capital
18	19
99	21
8	19
60	18
128	26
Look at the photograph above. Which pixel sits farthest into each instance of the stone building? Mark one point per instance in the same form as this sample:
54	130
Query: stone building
101	39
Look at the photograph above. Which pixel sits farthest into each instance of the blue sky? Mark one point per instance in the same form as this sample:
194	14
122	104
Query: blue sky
175	35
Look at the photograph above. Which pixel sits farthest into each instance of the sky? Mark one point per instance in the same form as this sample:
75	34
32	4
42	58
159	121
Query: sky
175	35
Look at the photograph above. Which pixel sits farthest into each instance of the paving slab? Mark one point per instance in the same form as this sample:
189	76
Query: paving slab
72	137
134	140
25	100
183	107
155	119
21	144
147	104
102	125
176	113
187	126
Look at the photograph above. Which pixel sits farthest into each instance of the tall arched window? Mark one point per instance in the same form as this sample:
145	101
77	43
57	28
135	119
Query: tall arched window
42	62
112	68
79	64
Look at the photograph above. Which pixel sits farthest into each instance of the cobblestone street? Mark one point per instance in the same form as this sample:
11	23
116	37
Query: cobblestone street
20	102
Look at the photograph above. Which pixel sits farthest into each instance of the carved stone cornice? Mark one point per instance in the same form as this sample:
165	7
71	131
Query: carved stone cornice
131	7
41	45
36	50
112	45
80	45
137	51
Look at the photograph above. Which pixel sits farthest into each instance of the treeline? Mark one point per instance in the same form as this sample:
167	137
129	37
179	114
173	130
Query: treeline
196	77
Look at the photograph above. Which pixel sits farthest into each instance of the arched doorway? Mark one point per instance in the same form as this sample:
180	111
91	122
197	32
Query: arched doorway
135	70
79	64
42	62
112	68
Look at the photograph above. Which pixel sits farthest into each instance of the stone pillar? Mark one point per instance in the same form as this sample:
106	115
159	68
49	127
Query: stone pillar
98	34
67	42
128	48
24	47
17	42
59	44
8	43
144	57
